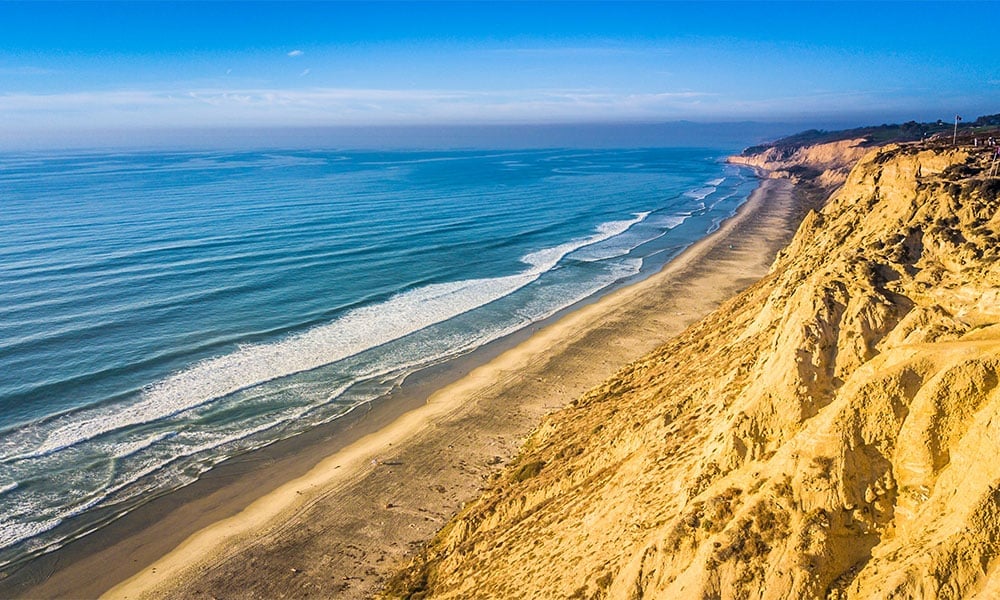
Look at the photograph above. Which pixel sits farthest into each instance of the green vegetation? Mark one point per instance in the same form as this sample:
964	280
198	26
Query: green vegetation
528	470
910	131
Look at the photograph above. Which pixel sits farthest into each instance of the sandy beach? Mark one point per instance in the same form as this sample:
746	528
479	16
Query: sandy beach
334	511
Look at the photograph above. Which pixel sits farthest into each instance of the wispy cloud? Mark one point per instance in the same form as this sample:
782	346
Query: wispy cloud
305	72
295	53
335	106
321	106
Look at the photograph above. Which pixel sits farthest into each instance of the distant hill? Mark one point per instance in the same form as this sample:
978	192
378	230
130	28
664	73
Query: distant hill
911	131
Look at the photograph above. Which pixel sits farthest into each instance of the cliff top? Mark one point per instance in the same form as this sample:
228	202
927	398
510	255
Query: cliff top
938	133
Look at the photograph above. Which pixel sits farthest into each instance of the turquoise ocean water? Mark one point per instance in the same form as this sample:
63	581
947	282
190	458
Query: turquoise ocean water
160	312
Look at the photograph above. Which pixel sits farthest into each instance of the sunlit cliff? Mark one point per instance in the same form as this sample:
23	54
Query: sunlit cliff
832	432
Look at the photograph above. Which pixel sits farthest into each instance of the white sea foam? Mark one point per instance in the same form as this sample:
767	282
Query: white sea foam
211	442
623	245
358	330
12	531
672	221
124	449
700	193
716	182
616	246
600	253
546	259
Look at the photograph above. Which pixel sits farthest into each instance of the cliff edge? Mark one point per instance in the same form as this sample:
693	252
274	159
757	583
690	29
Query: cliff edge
832	432
825	165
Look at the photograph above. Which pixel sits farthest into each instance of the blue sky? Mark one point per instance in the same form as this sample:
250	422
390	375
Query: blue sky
87	68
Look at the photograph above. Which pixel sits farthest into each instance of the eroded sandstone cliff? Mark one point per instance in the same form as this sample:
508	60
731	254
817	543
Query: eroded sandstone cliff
832	432
824	164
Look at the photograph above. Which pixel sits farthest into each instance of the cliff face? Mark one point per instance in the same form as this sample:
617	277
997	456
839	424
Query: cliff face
826	165
832	432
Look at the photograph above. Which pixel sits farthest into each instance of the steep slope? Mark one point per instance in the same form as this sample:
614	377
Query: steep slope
825	164
832	432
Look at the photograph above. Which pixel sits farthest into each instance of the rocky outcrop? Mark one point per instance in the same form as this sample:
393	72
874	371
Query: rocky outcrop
832	432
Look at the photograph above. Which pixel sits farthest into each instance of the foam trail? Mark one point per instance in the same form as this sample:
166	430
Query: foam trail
544	260
700	193
671	222
618	245
355	332
12	532
122	450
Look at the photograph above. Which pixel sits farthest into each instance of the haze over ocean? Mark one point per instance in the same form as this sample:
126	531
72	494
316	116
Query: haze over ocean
158	73
163	311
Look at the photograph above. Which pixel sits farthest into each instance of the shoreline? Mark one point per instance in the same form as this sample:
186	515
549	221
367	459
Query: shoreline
379	451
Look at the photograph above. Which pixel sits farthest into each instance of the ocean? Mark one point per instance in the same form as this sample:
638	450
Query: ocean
163	311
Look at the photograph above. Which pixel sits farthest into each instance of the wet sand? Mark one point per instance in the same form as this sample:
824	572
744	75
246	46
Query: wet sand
332	512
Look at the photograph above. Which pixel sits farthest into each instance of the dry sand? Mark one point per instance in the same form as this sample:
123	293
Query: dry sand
305	525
